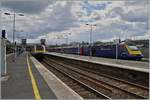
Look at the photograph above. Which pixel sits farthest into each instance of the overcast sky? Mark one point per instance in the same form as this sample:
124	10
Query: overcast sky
50	19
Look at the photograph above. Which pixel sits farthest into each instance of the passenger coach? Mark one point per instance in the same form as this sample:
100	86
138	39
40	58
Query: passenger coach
124	51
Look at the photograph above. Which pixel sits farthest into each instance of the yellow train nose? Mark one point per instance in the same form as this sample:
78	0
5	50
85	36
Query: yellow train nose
136	52
133	52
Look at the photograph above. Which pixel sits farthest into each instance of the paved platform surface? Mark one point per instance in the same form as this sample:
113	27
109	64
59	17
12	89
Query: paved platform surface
19	85
127	64
61	90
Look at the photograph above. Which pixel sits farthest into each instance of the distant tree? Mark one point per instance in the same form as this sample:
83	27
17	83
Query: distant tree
97	43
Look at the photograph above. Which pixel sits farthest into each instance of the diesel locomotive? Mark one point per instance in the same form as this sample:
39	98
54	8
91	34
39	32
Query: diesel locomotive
39	49
124	51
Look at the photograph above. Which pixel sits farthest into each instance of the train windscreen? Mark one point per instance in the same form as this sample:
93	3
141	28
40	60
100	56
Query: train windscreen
134	48
39	48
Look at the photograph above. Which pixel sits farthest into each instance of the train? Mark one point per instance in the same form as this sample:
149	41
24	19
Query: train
124	51
39	48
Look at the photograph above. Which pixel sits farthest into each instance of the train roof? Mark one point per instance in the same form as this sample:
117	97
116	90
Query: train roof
110	44
86	46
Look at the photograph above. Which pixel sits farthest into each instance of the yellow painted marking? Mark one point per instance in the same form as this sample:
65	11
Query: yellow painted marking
34	85
39	51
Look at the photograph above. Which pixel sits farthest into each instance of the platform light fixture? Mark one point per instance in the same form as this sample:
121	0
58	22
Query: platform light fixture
14	21
90	35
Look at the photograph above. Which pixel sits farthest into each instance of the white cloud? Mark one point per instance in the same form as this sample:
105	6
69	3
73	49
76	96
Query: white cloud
55	18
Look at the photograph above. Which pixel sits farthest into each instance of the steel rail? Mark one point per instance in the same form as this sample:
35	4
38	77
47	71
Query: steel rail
78	81
146	89
138	96
112	78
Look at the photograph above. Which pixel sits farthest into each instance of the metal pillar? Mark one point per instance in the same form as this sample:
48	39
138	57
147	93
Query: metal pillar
14	15
0	41
91	43
116	51
1	54
3	57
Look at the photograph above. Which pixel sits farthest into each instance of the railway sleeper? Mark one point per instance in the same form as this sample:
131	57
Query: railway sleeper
55	64
123	86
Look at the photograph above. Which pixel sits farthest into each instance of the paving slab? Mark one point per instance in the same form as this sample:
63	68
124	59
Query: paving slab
18	85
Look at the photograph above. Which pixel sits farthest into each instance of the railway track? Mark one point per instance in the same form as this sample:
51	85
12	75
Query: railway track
81	88
109	87
122	84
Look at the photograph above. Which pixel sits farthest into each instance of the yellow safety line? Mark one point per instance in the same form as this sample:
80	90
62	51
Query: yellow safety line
34	85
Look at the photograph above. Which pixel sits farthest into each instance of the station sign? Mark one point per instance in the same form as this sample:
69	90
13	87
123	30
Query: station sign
24	41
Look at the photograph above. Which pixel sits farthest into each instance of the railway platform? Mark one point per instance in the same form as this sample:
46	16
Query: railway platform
28	79
125	64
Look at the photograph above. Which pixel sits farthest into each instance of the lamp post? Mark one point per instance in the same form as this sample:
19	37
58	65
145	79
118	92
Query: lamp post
90	44
18	34
14	22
